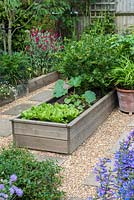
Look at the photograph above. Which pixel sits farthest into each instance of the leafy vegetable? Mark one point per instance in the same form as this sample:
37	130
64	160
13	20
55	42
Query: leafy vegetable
59	89
89	96
75	81
77	101
81	101
61	113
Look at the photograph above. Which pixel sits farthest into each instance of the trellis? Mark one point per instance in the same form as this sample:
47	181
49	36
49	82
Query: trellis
100	7
122	9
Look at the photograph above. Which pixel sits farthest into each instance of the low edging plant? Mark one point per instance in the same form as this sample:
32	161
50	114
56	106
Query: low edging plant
38	180
8	189
117	183
6	91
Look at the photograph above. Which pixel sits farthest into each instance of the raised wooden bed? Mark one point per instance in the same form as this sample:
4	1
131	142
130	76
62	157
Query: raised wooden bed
62	138
32	85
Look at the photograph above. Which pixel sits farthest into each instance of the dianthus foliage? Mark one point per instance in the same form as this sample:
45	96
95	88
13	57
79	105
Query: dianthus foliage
38	180
117	183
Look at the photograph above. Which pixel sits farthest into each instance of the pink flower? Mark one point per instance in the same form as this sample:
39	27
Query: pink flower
42	31
44	48
27	48
37	39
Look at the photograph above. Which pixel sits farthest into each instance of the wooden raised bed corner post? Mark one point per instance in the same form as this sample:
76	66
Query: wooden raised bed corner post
62	138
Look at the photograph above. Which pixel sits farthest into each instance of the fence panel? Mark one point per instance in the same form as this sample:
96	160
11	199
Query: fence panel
124	14
123	10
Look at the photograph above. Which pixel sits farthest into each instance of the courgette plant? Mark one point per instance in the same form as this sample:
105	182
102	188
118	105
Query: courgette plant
79	101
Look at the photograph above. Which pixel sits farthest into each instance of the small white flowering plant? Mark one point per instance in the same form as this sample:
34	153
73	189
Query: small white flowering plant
6	91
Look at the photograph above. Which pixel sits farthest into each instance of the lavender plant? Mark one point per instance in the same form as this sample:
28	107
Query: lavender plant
117	183
8	189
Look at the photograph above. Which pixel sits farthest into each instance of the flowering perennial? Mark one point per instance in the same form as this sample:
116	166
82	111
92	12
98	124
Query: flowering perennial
117	183
8	191
41	47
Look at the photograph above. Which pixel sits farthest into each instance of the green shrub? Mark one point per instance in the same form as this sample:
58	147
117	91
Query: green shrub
91	57
123	44
38	180
14	68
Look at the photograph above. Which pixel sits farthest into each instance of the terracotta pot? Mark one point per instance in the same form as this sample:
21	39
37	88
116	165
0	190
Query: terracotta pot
126	100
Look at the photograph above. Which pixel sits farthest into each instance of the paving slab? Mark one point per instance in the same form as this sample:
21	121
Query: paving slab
116	147
42	96
16	110
58	160
5	127
131	123
90	180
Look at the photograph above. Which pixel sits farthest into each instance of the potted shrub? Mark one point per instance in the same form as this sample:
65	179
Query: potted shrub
123	78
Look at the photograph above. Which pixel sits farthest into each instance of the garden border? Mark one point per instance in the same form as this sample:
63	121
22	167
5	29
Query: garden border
62	138
32	85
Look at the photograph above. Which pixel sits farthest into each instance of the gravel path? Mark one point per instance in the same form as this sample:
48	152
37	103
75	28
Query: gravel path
78	165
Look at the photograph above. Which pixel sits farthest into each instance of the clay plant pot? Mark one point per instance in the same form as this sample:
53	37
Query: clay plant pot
126	100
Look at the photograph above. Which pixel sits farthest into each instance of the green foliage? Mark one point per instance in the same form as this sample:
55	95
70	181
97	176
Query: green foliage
123	44
122	75
89	96
81	102
91	57
75	81
77	101
60	113
59	89
38	180
26	14
105	24
14	68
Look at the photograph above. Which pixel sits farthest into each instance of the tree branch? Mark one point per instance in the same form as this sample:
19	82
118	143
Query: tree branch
24	12
23	25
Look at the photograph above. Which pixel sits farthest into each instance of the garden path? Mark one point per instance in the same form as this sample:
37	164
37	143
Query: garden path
79	181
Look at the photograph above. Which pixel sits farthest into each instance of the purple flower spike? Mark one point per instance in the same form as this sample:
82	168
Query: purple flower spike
18	191
132	133
12	191
4	196
2	187
13	178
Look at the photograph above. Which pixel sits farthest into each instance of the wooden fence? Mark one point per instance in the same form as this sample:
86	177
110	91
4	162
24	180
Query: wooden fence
122	9
125	14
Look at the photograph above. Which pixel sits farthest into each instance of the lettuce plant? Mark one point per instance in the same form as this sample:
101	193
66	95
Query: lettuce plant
60	113
117	183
